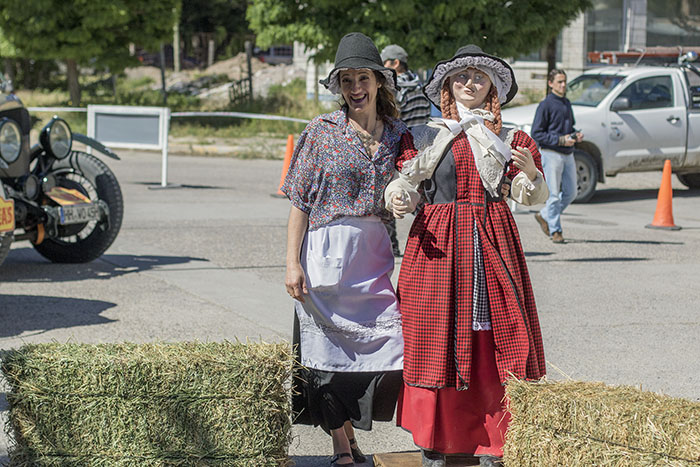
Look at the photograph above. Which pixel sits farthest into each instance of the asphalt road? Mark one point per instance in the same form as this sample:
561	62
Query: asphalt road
204	259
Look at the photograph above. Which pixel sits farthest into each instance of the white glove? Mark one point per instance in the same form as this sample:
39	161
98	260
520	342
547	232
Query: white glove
402	204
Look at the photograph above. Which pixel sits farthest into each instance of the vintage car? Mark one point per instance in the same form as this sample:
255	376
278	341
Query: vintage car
66	202
633	118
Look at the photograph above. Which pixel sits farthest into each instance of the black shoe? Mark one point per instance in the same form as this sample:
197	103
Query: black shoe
357	455
337	457
490	461
432	459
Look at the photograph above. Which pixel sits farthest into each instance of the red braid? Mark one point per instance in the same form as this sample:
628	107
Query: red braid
493	105
448	105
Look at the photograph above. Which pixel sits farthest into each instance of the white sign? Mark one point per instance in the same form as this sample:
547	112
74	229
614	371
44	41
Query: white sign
124	126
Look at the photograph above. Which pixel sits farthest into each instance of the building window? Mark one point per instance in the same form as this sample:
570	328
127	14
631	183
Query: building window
673	22
540	55
604	26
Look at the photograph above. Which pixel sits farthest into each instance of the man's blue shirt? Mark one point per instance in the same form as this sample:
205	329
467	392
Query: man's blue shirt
553	118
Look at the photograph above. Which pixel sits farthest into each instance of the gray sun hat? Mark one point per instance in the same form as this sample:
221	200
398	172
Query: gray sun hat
394	52
356	51
471	56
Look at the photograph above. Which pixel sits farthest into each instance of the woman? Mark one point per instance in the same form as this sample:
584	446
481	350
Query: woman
468	311
339	257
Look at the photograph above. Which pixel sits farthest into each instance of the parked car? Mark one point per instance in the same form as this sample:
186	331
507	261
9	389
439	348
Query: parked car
275	55
633	118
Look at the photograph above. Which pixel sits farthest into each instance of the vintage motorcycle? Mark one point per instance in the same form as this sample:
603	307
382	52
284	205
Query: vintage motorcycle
66	202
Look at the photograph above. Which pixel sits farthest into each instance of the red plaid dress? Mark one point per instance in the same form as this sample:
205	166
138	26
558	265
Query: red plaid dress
437	275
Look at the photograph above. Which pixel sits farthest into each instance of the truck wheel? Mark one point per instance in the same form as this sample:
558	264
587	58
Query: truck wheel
80	243
5	242
586	176
692	181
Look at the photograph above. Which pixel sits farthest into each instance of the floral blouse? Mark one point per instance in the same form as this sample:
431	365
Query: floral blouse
331	175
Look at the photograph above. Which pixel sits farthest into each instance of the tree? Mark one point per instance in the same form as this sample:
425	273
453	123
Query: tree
85	32
223	19
428	30
7	52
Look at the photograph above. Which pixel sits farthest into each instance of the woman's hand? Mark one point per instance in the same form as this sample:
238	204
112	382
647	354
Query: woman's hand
295	282
401	205
295	279
523	160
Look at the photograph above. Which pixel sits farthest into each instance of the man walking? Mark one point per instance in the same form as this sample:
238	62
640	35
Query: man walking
553	130
414	109
413	105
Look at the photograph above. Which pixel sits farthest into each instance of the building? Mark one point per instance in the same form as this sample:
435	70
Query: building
615	25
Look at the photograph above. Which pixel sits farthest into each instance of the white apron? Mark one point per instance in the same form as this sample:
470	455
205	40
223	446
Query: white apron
350	320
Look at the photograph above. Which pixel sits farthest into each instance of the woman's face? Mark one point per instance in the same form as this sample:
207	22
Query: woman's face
470	87
359	88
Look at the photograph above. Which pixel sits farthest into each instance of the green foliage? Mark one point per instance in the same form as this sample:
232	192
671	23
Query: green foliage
89	32
289	100
7	50
225	19
430	31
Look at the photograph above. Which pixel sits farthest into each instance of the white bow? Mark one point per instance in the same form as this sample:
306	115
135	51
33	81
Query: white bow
491	154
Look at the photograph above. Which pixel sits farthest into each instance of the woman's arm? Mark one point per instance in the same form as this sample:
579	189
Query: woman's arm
295	279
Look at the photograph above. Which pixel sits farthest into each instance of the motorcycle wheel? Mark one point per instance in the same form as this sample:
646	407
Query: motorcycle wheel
80	243
5	242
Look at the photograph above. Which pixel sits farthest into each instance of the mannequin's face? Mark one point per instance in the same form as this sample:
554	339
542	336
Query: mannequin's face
470	87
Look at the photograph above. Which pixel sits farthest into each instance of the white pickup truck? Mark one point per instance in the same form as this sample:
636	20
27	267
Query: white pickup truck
633	118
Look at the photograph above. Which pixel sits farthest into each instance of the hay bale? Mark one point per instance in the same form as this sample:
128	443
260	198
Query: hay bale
582	424
149	405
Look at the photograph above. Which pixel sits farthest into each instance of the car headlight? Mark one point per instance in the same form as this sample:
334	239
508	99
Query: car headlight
10	140
56	138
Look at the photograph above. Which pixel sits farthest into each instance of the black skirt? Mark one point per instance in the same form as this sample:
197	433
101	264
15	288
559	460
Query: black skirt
330	398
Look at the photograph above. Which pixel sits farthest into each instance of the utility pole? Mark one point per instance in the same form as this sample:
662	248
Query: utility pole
249	56
162	75
176	40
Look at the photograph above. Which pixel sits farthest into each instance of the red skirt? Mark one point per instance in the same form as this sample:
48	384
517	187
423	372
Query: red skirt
448	421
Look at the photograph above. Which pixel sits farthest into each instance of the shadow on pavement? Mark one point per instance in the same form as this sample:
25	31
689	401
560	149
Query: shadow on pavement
185	186
605	259
26	265
322	461
633	242
529	254
616	195
37	314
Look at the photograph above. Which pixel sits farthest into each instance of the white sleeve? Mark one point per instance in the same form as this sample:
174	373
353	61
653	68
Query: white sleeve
529	192
401	187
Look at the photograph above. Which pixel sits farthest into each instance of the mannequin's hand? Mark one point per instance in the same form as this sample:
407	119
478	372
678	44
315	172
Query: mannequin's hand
523	160
400	206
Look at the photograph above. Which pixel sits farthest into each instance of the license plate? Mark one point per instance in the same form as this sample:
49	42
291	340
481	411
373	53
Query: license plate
78	213
7	215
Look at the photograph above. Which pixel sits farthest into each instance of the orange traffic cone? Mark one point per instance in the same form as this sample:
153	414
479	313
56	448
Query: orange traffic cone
663	218
287	159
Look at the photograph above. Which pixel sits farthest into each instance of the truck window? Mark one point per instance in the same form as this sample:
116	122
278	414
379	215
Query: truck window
589	90
649	93
694	87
